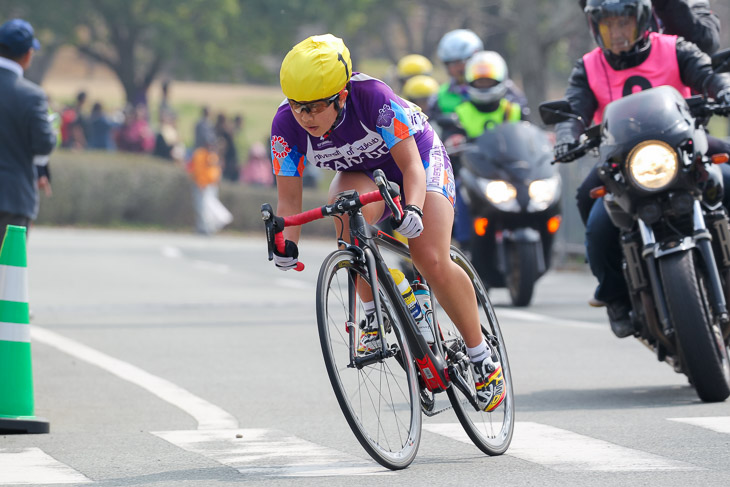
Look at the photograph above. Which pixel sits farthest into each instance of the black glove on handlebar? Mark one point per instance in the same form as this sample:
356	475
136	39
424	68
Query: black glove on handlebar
289	259
724	98
562	148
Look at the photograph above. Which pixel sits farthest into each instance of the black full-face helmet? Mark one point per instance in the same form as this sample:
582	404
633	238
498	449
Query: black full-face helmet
597	10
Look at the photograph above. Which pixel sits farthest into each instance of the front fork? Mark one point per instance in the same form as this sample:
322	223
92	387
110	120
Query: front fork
432	367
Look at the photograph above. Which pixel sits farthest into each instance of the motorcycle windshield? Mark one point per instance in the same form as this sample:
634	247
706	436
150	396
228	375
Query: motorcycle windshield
521	150
654	113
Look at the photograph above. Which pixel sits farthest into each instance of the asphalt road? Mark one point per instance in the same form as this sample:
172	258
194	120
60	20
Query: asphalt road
168	359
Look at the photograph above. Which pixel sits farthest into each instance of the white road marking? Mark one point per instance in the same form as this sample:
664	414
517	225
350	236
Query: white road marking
720	424
566	451
171	252
212	266
552	320
29	466
208	416
270	453
292	283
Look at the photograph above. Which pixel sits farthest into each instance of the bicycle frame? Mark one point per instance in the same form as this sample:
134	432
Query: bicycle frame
367	240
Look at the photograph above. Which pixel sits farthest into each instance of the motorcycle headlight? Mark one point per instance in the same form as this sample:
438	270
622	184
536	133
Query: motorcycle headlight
500	193
543	192
653	165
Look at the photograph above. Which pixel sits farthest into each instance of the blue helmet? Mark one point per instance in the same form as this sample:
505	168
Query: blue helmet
459	45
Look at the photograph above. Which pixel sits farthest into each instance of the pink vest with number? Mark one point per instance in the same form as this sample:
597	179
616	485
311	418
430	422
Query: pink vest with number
659	69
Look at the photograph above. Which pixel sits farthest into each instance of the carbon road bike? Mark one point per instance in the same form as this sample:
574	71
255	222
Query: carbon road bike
384	392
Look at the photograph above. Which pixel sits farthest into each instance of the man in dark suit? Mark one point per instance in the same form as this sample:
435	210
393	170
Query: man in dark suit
25	130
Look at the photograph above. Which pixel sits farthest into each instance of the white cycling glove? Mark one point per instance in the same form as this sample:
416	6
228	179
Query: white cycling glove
411	225
289	259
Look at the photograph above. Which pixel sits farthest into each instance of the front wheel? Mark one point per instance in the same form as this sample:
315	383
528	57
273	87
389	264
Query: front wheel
381	400
703	348
491	431
522	271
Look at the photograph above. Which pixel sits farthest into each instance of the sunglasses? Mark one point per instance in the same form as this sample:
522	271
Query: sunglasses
313	107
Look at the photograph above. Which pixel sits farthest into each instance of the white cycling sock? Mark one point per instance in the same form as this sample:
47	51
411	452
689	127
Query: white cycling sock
369	307
479	353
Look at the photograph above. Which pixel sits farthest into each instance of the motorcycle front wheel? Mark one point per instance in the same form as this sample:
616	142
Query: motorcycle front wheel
522	271
703	349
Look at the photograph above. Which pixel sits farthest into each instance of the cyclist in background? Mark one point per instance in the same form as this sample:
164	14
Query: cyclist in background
353	124
410	66
421	89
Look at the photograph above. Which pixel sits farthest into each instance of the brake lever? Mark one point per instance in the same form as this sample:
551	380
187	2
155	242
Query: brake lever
384	187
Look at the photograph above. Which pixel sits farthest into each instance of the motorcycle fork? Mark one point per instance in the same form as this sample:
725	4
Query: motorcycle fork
641	292
647	253
703	241
720	224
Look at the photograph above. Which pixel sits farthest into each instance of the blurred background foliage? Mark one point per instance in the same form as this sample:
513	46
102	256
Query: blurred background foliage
226	54
243	41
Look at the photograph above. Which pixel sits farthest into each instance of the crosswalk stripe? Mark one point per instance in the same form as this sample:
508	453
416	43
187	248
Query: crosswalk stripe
564	450
270	453
720	424
28	466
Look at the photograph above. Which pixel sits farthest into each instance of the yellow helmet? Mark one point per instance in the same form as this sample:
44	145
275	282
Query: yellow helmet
420	86
316	68
413	64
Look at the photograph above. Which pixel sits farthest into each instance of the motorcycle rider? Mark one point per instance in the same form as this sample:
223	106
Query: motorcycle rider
629	58
454	49
697	23
485	74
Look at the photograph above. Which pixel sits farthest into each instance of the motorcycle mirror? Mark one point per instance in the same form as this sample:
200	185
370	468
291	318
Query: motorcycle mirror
721	61
552	112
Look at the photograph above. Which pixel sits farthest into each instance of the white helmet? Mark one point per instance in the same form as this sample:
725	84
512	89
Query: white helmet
489	65
459	45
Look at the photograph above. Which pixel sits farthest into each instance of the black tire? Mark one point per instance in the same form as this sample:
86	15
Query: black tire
491	431
522	272
704	351
380	401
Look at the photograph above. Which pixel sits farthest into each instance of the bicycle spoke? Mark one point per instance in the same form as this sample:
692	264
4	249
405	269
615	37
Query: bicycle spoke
380	400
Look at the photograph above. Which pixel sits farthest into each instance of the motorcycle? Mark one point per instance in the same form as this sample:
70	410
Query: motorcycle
665	195
513	195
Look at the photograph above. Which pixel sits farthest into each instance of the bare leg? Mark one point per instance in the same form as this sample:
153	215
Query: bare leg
448	281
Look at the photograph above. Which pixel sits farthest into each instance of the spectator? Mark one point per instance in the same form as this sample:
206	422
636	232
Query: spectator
25	128
205	171
167	141
204	134
74	124
100	129
257	171
228	148
165	110
135	134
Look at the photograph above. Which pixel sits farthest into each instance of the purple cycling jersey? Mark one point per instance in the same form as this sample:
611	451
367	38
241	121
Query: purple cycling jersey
374	119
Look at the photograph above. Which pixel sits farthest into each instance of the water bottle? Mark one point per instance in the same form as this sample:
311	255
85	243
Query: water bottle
423	296
407	293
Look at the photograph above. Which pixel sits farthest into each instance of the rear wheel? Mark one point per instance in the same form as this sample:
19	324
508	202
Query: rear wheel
381	401
490	431
522	272
704	350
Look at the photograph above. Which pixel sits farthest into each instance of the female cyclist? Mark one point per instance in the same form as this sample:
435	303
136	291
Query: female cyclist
353	124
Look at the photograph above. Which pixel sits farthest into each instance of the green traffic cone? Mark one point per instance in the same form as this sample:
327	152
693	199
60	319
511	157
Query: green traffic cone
16	374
